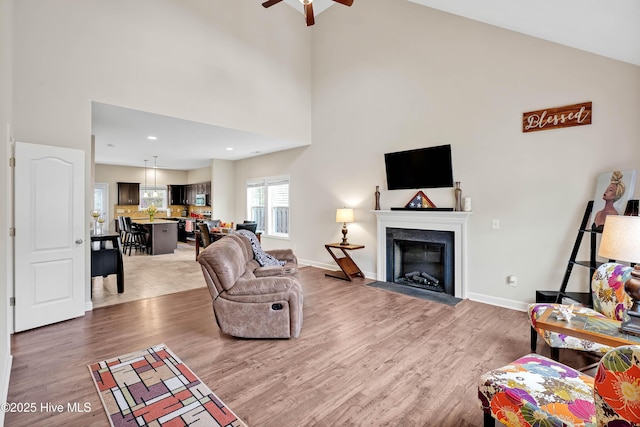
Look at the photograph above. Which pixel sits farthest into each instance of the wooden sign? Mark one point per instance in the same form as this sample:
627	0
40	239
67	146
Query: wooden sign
554	118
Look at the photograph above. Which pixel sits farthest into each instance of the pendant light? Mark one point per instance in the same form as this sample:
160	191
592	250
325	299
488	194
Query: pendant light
145	194
155	176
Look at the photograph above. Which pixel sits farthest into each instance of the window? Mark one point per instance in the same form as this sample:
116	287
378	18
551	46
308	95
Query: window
268	205
101	198
147	197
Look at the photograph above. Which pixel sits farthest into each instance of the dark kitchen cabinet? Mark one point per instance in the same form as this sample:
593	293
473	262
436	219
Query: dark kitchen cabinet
186	194
128	193
191	194
178	194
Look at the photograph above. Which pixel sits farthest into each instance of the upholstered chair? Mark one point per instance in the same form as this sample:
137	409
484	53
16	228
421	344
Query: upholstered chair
537	391
250	301
609	300
617	387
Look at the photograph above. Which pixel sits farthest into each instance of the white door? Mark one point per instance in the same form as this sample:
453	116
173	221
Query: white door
49	224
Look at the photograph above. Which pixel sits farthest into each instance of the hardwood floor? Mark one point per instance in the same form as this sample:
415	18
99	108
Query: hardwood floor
365	357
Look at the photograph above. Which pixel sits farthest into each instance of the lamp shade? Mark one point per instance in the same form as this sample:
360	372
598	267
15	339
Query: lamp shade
621	238
344	215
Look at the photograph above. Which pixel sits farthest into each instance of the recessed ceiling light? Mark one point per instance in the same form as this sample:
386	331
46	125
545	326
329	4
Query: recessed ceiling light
229	148
153	138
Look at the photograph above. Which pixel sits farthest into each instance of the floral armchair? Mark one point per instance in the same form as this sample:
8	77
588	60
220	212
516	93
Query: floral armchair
609	300
535	391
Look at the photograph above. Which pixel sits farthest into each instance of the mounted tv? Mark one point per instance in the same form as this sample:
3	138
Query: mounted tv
422	168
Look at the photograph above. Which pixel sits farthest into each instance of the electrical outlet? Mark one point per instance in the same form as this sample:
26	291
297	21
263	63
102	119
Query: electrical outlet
512	280
495	224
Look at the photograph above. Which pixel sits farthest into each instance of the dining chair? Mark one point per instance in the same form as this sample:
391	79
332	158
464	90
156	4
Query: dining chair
204	234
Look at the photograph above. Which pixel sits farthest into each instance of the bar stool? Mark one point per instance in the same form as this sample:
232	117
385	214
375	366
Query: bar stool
135	237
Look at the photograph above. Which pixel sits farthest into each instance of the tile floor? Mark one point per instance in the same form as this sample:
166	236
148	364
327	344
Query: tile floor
147	276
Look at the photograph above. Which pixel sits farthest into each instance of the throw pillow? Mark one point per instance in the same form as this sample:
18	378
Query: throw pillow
263	258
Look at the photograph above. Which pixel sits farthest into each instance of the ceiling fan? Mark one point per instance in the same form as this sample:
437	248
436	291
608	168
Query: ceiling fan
308	8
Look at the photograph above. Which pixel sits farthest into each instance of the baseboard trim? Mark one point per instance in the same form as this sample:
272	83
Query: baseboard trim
4	391
500	302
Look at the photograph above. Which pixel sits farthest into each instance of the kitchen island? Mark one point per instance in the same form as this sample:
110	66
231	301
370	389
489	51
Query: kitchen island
162	235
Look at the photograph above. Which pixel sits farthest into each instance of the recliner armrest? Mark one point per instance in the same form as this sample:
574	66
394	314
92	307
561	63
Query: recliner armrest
261	286
283	255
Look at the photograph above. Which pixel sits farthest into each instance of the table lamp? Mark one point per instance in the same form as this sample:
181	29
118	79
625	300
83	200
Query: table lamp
621	242
344	216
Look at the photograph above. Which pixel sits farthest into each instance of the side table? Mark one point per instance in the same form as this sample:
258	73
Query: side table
346	264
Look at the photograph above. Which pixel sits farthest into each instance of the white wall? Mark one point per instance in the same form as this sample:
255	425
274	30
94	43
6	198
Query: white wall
196	176
218	62
223	195
6	278
390	75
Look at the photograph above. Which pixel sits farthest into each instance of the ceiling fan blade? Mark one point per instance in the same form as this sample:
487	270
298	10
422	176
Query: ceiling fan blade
344	2
308	14
270	3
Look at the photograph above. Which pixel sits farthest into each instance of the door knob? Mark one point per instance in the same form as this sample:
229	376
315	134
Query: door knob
78	241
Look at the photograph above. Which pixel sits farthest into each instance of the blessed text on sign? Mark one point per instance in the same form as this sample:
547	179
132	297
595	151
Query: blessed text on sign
554	118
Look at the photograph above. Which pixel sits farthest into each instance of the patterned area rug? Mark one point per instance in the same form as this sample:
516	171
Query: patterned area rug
152	387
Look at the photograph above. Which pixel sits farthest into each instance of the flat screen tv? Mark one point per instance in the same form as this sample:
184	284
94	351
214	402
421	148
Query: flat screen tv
422	168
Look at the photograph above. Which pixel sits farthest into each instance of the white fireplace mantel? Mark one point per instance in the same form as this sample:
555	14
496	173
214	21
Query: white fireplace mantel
427	220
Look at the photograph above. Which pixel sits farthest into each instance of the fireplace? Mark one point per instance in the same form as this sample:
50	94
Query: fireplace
421	240
421	259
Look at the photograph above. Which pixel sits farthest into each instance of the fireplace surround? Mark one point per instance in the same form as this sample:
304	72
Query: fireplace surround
426	220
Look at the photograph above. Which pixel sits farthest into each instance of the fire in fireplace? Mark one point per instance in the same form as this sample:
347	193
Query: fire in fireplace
421	258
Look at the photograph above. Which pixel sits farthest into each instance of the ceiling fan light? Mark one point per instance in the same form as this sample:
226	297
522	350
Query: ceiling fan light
306	2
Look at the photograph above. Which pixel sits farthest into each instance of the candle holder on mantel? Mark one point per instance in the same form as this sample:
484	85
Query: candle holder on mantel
458	194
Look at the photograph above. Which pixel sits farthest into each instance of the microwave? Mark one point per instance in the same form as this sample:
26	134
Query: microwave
201	200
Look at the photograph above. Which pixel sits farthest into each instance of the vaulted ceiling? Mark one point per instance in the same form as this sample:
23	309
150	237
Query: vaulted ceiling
609	28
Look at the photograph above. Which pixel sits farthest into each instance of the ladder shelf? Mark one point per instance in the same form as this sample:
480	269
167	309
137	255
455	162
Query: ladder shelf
592	264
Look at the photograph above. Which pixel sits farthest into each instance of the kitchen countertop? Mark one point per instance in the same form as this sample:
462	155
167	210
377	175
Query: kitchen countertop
156	221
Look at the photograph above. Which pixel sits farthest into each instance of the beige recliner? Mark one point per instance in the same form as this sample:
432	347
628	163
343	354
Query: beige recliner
250	301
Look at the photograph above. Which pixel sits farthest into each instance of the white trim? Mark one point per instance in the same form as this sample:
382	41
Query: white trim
500	302
427	220
4	388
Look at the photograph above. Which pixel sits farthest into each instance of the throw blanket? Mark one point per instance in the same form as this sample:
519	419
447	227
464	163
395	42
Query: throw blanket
263	258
